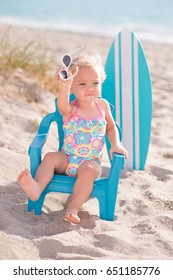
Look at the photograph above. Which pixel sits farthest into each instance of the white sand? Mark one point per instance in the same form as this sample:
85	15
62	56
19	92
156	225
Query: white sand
143	226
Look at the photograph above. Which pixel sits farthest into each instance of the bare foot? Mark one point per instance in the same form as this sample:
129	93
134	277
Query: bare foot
72	217
29	185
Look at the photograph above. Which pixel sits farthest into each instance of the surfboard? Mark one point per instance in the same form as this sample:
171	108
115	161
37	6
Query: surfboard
128	88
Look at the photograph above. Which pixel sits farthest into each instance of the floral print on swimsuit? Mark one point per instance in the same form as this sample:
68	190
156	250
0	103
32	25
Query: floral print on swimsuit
84	137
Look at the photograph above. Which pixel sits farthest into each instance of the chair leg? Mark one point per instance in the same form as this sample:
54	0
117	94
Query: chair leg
31	205
36	205
112	190
39	204
112	186
102	207
111	209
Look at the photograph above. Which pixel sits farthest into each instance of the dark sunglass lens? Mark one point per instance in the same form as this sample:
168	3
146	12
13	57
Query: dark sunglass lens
63	74
66	60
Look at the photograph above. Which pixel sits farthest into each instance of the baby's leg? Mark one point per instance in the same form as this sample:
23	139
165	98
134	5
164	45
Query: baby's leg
53	162
87	172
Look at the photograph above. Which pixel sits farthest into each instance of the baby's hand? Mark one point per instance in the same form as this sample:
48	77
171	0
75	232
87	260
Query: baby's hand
118	149
64	82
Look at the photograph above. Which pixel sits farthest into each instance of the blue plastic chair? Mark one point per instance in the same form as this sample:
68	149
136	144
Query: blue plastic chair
105	188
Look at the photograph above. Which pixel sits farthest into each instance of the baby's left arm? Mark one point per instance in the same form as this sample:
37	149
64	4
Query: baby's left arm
112	131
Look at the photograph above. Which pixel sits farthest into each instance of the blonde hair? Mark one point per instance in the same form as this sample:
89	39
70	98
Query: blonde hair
88	61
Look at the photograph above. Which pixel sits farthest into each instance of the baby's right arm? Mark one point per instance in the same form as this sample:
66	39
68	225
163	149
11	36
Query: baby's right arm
63	101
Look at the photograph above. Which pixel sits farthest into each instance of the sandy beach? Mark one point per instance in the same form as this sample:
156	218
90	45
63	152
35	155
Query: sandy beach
143	225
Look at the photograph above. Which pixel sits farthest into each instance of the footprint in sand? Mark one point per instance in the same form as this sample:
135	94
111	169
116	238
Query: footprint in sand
168	155
162	174
144	228
161	204
4	222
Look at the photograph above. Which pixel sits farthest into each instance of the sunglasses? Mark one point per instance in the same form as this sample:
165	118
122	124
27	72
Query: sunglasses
67	61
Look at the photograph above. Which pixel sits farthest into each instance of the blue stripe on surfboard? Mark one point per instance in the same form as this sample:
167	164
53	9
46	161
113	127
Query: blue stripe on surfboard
120	80
109	83
108	87
133	104
145	101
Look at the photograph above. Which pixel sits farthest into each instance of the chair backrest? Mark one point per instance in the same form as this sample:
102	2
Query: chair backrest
59	121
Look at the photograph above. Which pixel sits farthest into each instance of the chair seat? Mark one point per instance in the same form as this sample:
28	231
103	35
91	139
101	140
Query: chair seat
64	184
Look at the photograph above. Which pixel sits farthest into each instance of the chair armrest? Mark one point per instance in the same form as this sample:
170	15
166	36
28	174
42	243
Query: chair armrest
116	166
38	142
34	152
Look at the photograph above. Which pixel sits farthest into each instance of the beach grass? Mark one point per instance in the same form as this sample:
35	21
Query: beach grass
26	58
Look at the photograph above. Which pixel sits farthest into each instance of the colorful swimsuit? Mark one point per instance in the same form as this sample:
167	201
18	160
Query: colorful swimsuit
84	139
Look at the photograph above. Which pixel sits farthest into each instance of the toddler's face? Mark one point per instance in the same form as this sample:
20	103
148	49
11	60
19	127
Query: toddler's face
87	84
